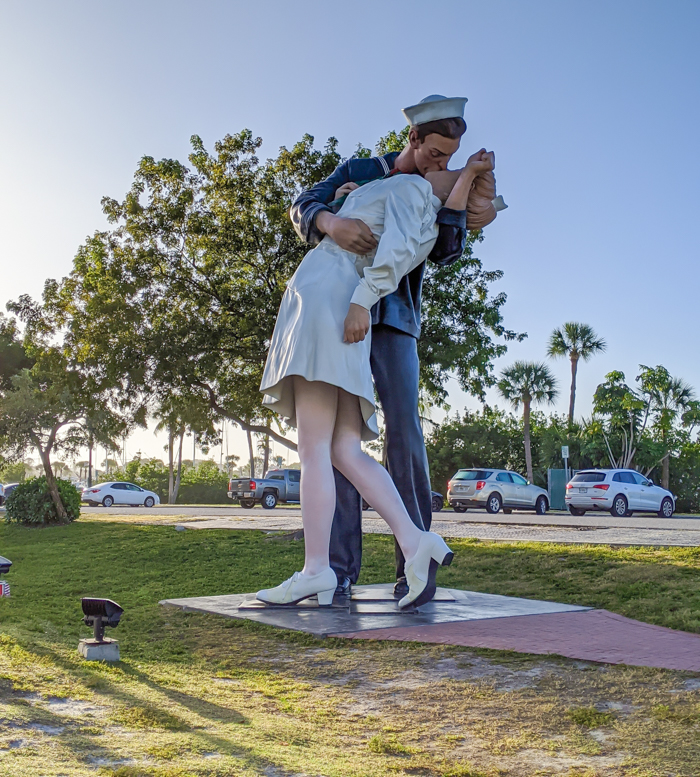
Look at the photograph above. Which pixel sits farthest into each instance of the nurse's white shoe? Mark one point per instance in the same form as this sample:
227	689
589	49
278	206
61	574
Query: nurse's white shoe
422	568
300	587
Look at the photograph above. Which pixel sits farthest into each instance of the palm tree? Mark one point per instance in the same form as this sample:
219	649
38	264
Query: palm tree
577	341
525	383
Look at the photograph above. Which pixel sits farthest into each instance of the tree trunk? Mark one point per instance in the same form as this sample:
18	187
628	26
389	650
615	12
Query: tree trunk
178	476
171	473
179	465
572	396
251	453
666	471
52	485
526	434
266	455
90	462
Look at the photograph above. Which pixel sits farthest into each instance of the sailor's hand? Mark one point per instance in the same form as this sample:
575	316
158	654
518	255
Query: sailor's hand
356	324
352	235
345	189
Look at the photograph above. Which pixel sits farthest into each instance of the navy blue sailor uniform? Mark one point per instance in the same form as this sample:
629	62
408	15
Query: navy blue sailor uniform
394	362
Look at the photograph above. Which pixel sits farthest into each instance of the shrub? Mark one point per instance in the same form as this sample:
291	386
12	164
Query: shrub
31	504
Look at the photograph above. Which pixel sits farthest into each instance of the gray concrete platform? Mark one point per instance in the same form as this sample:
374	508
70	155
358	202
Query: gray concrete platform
371	607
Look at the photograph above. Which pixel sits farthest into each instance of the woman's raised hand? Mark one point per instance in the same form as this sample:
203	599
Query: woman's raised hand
356	324
482	161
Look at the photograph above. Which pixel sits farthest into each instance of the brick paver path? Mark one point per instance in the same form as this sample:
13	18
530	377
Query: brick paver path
593	635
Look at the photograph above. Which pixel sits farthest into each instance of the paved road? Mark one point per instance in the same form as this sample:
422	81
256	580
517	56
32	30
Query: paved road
593	528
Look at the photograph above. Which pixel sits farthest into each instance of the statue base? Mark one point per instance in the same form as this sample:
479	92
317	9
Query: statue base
369	607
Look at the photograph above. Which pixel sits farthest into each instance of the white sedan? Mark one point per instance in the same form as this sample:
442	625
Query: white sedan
108	494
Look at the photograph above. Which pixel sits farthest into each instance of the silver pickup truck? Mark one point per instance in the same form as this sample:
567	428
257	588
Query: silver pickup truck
279	485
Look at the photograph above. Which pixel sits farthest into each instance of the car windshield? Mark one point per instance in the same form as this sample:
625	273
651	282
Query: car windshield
588	477
472	474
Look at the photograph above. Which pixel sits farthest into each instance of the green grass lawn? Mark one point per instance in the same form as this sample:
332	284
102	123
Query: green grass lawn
200	695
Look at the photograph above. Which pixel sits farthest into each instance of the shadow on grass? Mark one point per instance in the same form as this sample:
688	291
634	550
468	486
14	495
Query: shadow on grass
134	712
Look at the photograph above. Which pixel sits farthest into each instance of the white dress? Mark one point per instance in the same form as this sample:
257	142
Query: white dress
308	336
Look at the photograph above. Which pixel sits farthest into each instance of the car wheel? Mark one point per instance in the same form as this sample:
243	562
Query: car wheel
107	501
541	505
460	509
577	511
437	504
247	503
493	504
507	510
619	507
269	500
150	501
666	510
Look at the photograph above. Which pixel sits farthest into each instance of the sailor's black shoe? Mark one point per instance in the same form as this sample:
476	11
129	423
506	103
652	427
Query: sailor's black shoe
400	588
345	587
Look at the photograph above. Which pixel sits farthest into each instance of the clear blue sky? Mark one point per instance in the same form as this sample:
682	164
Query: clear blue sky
592	108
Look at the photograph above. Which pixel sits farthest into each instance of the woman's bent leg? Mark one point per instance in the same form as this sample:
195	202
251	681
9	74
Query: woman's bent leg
424	551
316	408
368	476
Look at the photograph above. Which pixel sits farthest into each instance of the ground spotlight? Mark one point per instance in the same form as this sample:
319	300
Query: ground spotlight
5	565
100	613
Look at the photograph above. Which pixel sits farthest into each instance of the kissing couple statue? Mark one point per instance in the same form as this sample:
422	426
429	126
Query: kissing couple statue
351	313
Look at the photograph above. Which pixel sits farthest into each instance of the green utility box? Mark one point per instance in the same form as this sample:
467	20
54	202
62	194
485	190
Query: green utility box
556	486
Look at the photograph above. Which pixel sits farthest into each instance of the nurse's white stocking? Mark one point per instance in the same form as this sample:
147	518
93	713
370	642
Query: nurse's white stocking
316	408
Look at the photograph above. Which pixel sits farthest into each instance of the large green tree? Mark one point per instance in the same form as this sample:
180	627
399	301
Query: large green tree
527	383
576	342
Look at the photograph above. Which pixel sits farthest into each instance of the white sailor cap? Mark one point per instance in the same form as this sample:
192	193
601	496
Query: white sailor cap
435	107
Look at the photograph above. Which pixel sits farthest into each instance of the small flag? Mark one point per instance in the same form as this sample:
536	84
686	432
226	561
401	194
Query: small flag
4	588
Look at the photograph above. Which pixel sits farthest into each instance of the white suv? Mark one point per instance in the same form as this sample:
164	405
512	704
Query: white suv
620	491
494	489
